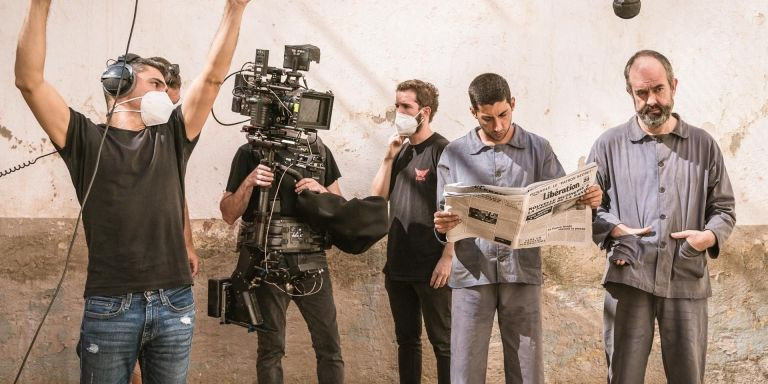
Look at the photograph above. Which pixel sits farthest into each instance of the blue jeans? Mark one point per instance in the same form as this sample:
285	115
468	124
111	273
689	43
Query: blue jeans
154	327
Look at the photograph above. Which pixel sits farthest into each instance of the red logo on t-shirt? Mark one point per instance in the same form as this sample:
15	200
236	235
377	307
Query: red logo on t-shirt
421	174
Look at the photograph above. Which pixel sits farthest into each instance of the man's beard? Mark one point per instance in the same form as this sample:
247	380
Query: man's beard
653	120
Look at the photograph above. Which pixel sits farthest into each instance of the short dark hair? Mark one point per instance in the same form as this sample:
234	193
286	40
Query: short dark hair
140	64
426	94
173	78
649	53
488	89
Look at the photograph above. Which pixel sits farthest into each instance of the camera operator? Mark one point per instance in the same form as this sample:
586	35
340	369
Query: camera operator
138	296
313	294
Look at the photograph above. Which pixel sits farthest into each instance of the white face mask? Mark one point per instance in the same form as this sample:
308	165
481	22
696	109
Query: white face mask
156	108
406	125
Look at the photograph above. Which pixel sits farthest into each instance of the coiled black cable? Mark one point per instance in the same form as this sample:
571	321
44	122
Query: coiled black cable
24	164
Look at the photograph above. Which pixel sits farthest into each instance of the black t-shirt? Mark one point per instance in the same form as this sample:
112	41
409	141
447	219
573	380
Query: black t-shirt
412	249
133	218
245	162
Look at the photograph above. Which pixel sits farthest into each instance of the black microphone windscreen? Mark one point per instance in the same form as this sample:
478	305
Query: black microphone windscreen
626	9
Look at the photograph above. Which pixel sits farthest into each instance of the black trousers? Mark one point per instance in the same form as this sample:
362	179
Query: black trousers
409	301
319	312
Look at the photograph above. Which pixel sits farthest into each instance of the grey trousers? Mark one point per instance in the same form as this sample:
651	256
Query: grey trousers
628	321
519	312
319	312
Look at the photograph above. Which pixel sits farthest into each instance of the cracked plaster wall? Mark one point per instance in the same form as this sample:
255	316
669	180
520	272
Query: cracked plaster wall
564	62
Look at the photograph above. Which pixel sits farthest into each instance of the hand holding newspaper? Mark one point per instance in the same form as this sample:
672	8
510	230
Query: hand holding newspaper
543	213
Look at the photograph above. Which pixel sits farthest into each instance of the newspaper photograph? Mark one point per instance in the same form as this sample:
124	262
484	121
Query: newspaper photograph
544	213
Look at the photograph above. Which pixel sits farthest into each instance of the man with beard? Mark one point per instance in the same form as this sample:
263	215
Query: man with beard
667	202
418	265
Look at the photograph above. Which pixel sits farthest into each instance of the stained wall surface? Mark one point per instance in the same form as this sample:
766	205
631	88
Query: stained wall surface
564	62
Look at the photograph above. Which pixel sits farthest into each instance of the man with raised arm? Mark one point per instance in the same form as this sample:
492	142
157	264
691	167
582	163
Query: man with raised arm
138	297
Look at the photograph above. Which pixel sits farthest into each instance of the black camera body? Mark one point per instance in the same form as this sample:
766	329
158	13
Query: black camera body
284	113
278	97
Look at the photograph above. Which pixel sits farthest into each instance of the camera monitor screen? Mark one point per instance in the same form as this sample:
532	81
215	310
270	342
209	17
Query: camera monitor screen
315	110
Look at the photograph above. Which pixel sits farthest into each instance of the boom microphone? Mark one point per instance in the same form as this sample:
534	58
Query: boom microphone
626	9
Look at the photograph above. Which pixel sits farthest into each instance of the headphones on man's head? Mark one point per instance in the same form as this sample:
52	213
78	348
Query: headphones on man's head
118	77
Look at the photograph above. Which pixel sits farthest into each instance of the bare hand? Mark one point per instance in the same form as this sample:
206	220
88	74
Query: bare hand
593	196
623	230
194	261
445	221
261	177
395	143
310	184
241	3
699	240
443	269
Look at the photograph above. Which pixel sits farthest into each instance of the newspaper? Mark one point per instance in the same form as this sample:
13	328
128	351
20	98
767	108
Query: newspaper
543	213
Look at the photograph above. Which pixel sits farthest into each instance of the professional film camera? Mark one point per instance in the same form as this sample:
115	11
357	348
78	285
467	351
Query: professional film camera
274	98
284	117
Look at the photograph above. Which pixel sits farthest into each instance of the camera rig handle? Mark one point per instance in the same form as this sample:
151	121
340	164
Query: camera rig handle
261	218
262	211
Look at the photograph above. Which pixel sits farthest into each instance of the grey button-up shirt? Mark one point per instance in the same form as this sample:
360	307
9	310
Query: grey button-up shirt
525	159
672	183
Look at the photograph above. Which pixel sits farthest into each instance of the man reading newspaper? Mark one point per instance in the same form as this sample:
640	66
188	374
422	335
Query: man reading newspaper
488	277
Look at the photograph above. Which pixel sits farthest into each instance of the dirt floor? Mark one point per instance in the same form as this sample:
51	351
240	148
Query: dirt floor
34	253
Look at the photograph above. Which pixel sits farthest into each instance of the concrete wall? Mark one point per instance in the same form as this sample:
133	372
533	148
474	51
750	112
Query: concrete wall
563	61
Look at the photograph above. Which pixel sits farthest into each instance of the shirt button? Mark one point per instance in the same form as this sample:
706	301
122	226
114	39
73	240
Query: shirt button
661	163
663	216
663	244
498	173
662	190
659	139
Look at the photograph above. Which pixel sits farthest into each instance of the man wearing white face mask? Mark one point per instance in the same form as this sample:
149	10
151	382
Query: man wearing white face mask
418	265
138	297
